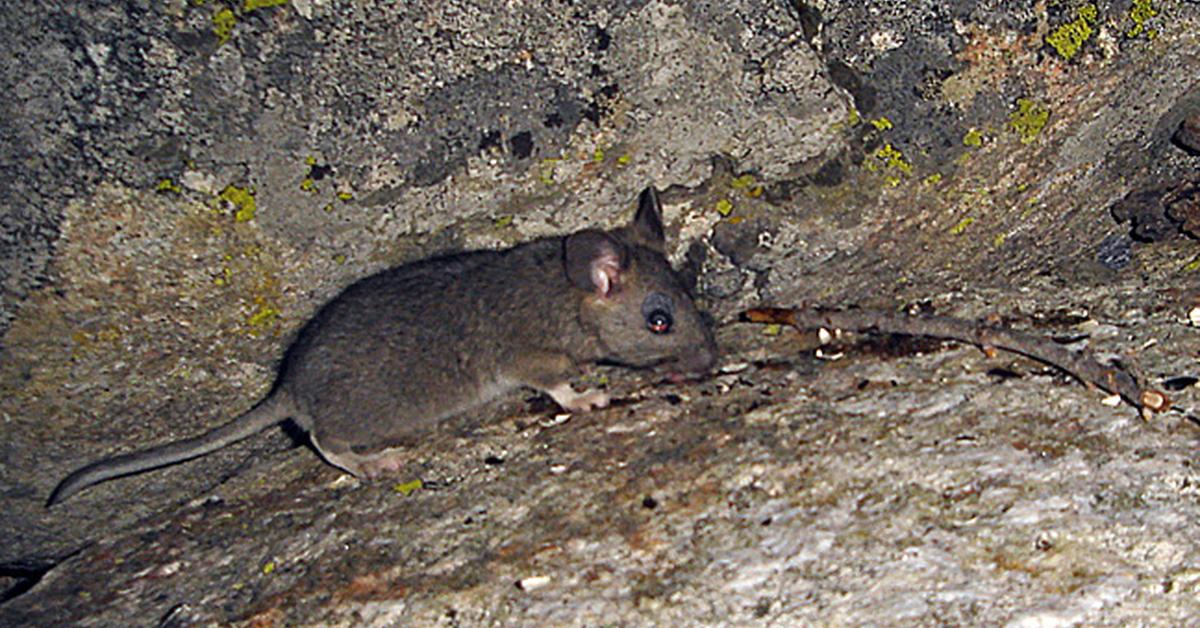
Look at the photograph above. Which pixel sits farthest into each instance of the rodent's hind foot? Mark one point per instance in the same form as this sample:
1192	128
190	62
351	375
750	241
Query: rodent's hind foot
369	466
385	463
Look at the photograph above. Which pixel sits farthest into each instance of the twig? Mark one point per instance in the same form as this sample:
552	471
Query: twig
988	337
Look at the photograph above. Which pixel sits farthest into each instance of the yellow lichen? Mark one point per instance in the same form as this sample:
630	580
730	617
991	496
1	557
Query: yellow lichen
1028	120
345	196
598	155
774	329
1141	12
595	379
408	488
743	181
223	22
339	259
167	185
263	316
893	160
241	200
308	185
624	160
224	277
961	226
254	5
724	207
1070	37
268	568
503	221
882	123
546	172
973	138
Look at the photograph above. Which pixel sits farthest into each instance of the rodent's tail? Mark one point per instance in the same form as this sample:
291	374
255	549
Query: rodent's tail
274	409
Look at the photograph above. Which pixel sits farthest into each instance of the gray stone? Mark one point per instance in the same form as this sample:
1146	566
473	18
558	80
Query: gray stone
145	300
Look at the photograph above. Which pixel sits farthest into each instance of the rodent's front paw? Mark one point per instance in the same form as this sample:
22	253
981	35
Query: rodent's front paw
586	402
566	397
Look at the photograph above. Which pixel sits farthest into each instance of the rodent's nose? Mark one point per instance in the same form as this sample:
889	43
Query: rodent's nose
701	360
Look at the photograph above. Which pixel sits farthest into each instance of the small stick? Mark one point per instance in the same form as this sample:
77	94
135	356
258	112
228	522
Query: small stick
1081	366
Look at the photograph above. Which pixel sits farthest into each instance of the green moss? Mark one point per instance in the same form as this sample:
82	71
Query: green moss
223	22
86	342
624	160
503	221
1070	37
1028	120
973	138
242	201
1141	12
598	155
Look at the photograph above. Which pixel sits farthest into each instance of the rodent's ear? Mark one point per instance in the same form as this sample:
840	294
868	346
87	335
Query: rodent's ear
594	261
647	226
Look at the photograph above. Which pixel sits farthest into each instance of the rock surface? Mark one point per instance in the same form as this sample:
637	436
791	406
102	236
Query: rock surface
188	182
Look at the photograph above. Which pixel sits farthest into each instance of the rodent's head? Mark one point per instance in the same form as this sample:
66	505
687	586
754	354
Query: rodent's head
635	304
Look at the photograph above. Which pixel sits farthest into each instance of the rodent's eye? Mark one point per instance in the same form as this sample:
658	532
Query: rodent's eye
658	321
658	310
